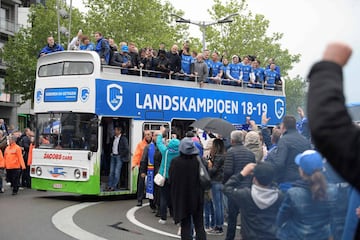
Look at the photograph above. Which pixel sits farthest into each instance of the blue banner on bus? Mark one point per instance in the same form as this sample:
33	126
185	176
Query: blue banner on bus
60	94
114	98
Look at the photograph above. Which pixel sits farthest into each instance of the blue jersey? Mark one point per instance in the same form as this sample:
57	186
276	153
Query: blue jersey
270	76
259	74
215	66
245	72
277	69
235	69
186	63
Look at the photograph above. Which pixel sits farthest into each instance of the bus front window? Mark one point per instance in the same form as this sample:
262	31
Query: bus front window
66	131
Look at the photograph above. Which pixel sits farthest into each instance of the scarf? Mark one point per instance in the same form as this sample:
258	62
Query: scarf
150	172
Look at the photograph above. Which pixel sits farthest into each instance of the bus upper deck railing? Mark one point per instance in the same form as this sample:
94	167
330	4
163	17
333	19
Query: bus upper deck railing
186	77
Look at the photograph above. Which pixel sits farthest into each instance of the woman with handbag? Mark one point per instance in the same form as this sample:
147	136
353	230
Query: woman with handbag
168	153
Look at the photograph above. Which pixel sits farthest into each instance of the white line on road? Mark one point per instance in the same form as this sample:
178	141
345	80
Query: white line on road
130	215
63	220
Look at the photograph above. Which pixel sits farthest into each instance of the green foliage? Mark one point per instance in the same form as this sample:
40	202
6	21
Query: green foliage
246	35
21	51
295	90
145	22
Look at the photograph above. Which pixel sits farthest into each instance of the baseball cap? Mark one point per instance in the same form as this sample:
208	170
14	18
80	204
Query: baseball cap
235	56
264	173
309	161
125	48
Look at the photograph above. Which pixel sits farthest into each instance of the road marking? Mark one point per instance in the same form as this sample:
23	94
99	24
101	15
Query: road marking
63	220
130	215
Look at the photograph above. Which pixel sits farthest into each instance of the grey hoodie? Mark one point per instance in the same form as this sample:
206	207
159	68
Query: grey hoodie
264	197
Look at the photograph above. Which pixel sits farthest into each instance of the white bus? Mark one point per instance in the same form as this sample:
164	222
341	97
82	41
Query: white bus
78	101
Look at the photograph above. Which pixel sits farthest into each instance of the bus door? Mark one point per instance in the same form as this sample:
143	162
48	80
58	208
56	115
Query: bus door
108	124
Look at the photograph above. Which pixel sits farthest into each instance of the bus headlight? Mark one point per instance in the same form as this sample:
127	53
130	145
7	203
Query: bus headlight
77	173
38	171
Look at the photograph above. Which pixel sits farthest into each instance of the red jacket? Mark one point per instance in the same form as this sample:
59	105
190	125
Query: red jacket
13	157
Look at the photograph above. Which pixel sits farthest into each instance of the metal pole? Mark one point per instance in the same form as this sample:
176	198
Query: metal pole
58	20
70	23
203	27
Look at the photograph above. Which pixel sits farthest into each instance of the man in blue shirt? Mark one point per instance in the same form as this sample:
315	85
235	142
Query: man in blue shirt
245	70
234	71
50	47
215	66
257	74
102	48
270	77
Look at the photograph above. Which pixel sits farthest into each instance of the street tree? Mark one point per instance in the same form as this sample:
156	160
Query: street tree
145	22
247	35
295	89
21	51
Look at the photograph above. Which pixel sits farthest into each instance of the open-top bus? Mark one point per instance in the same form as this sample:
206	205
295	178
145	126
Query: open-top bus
78	101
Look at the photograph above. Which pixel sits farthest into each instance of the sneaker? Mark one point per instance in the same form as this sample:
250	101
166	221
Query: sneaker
21	188
208	229
179	231
162	221
216	231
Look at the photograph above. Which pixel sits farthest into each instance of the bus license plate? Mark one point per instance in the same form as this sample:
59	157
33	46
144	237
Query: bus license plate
57	185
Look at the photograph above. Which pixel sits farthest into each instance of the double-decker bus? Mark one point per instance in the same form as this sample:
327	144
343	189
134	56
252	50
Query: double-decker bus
78	101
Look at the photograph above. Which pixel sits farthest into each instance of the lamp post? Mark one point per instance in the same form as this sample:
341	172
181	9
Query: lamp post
203	25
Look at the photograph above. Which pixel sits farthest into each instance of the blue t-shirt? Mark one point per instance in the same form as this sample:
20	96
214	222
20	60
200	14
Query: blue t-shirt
259	74
270	76
215	66
235	69
246	70
186	63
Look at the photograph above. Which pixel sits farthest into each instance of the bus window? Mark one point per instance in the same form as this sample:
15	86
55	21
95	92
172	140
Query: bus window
67	131
66	68
155	126
78	68
54	69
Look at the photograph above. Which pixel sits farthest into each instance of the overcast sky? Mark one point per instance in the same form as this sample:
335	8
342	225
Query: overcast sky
308	25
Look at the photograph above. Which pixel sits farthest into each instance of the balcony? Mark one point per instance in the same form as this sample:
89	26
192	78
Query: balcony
8	27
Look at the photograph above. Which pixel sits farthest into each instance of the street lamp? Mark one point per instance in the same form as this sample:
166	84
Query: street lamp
203	25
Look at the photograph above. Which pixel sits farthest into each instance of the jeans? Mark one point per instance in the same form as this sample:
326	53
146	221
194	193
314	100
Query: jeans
115	170
217	199
165	200
232	218
208	212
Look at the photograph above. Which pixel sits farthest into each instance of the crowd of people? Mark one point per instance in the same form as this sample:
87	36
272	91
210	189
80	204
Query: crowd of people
15	157
183	64
281	187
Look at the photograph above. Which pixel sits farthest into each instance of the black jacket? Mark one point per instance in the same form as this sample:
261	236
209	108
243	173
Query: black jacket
186	194
174	62
290	144
256	223
236	159
332	130
123	147
217	171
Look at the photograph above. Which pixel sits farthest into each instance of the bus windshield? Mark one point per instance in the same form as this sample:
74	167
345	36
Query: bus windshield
69	131
66	68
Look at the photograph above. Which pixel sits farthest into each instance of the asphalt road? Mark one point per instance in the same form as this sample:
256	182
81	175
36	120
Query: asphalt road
31	215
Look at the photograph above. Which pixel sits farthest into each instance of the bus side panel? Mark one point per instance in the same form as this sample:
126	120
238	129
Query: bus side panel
90	187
